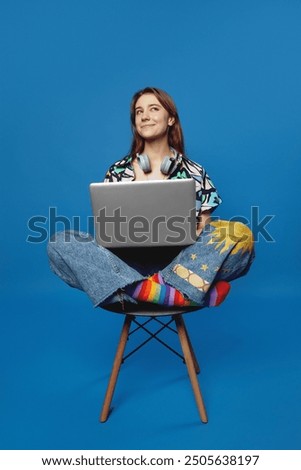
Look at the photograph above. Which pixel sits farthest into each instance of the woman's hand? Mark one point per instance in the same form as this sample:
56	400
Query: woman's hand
203	220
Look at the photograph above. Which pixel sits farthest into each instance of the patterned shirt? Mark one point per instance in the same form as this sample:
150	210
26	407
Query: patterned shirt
207	197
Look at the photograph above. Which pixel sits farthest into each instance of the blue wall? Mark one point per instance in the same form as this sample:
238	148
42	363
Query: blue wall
68	71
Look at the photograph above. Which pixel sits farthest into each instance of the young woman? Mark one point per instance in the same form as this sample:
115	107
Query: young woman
198	274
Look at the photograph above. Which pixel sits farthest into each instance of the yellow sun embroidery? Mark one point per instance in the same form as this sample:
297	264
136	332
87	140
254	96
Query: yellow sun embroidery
227	234
193	256
204	267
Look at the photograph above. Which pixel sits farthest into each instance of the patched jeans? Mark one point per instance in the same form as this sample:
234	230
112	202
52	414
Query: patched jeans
223	251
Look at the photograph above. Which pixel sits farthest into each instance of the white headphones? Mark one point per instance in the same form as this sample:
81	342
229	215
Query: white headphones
167	166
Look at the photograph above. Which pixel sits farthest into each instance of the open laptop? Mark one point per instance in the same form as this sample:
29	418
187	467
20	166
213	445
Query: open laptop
144	213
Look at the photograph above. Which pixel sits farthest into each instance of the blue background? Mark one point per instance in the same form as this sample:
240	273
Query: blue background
68	72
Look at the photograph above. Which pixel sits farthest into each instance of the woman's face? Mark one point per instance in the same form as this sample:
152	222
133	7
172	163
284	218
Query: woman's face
151	119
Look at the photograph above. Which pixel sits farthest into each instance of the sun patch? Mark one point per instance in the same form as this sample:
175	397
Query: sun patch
227	234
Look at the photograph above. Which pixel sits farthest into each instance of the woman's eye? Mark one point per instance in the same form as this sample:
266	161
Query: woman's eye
138	112
154	108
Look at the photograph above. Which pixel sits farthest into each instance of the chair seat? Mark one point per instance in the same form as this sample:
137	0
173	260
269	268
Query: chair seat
147	309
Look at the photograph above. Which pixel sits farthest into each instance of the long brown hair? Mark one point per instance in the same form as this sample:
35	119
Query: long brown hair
175	133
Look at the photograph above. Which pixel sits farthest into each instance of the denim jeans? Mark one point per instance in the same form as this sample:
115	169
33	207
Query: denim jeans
224	250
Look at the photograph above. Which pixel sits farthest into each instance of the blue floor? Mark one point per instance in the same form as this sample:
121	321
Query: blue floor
57	355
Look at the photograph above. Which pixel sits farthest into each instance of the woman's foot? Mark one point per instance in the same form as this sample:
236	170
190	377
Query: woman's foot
156	291
217	294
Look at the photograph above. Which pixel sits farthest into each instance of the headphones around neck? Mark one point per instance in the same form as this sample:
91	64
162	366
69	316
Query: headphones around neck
167	166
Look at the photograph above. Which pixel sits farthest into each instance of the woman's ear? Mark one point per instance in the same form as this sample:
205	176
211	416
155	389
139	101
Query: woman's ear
171	121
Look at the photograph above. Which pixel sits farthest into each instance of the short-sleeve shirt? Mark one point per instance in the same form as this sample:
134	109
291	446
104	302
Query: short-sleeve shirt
207	198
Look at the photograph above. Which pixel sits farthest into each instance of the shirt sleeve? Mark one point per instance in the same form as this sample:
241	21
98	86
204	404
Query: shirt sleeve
111	175
108	176
121	170
208	195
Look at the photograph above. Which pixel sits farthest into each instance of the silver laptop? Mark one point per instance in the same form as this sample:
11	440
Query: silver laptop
144	213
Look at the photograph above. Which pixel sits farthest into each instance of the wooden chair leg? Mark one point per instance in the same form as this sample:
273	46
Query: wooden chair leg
194	358
115	370
190	366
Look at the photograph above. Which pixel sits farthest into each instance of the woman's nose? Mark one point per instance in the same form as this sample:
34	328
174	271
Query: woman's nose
145	116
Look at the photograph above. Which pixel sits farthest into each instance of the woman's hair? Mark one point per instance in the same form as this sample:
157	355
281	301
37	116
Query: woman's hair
175	133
